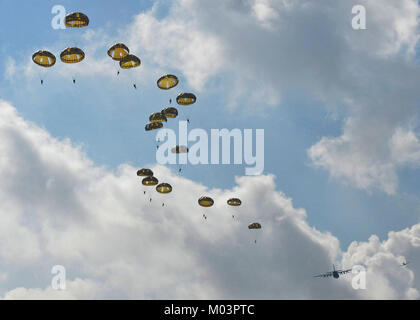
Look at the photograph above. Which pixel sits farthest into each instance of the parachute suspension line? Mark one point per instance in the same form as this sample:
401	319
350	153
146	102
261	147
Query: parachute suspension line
116	68
41	80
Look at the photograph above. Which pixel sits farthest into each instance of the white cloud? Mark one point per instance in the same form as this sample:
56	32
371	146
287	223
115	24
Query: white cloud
78	289
405	147
60	208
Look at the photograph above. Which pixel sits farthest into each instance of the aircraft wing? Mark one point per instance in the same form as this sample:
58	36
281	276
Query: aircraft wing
325	275
344	271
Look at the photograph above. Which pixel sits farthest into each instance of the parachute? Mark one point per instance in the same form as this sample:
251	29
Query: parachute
164	188
76	20
150	181
234	202
170	112
72	55
254	225
44	58
186	99
118	51
157	117
145	173
153	126
205	201
167	82
129	61
179	149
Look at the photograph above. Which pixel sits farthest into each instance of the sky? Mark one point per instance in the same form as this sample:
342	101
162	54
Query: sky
339	109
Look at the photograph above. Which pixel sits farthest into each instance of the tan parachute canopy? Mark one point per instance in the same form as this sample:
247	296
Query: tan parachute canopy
170	112
179	149
118	51
153	126
72	55
129	61
185	99
145	173
157	117
254	225
150	181
44	58
205	201
234	202
76	20
167	82
164	188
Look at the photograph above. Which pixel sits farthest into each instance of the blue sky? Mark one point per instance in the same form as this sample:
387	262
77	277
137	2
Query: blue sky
339	109
107	116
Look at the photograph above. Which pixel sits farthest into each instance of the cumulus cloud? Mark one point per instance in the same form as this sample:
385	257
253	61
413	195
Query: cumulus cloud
59	208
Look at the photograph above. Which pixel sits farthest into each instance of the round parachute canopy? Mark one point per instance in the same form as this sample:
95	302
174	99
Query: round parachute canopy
150	181
167	82
205	201
72	55
153	126
118	51
170	112
234	202
129	61
185	99
145	173
76	20
44	58
254	225
157	117
164	188
179	149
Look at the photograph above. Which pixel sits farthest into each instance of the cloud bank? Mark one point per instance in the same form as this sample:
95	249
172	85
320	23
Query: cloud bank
59	208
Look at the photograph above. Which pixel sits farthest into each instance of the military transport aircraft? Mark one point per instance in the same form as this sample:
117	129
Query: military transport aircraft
334	273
